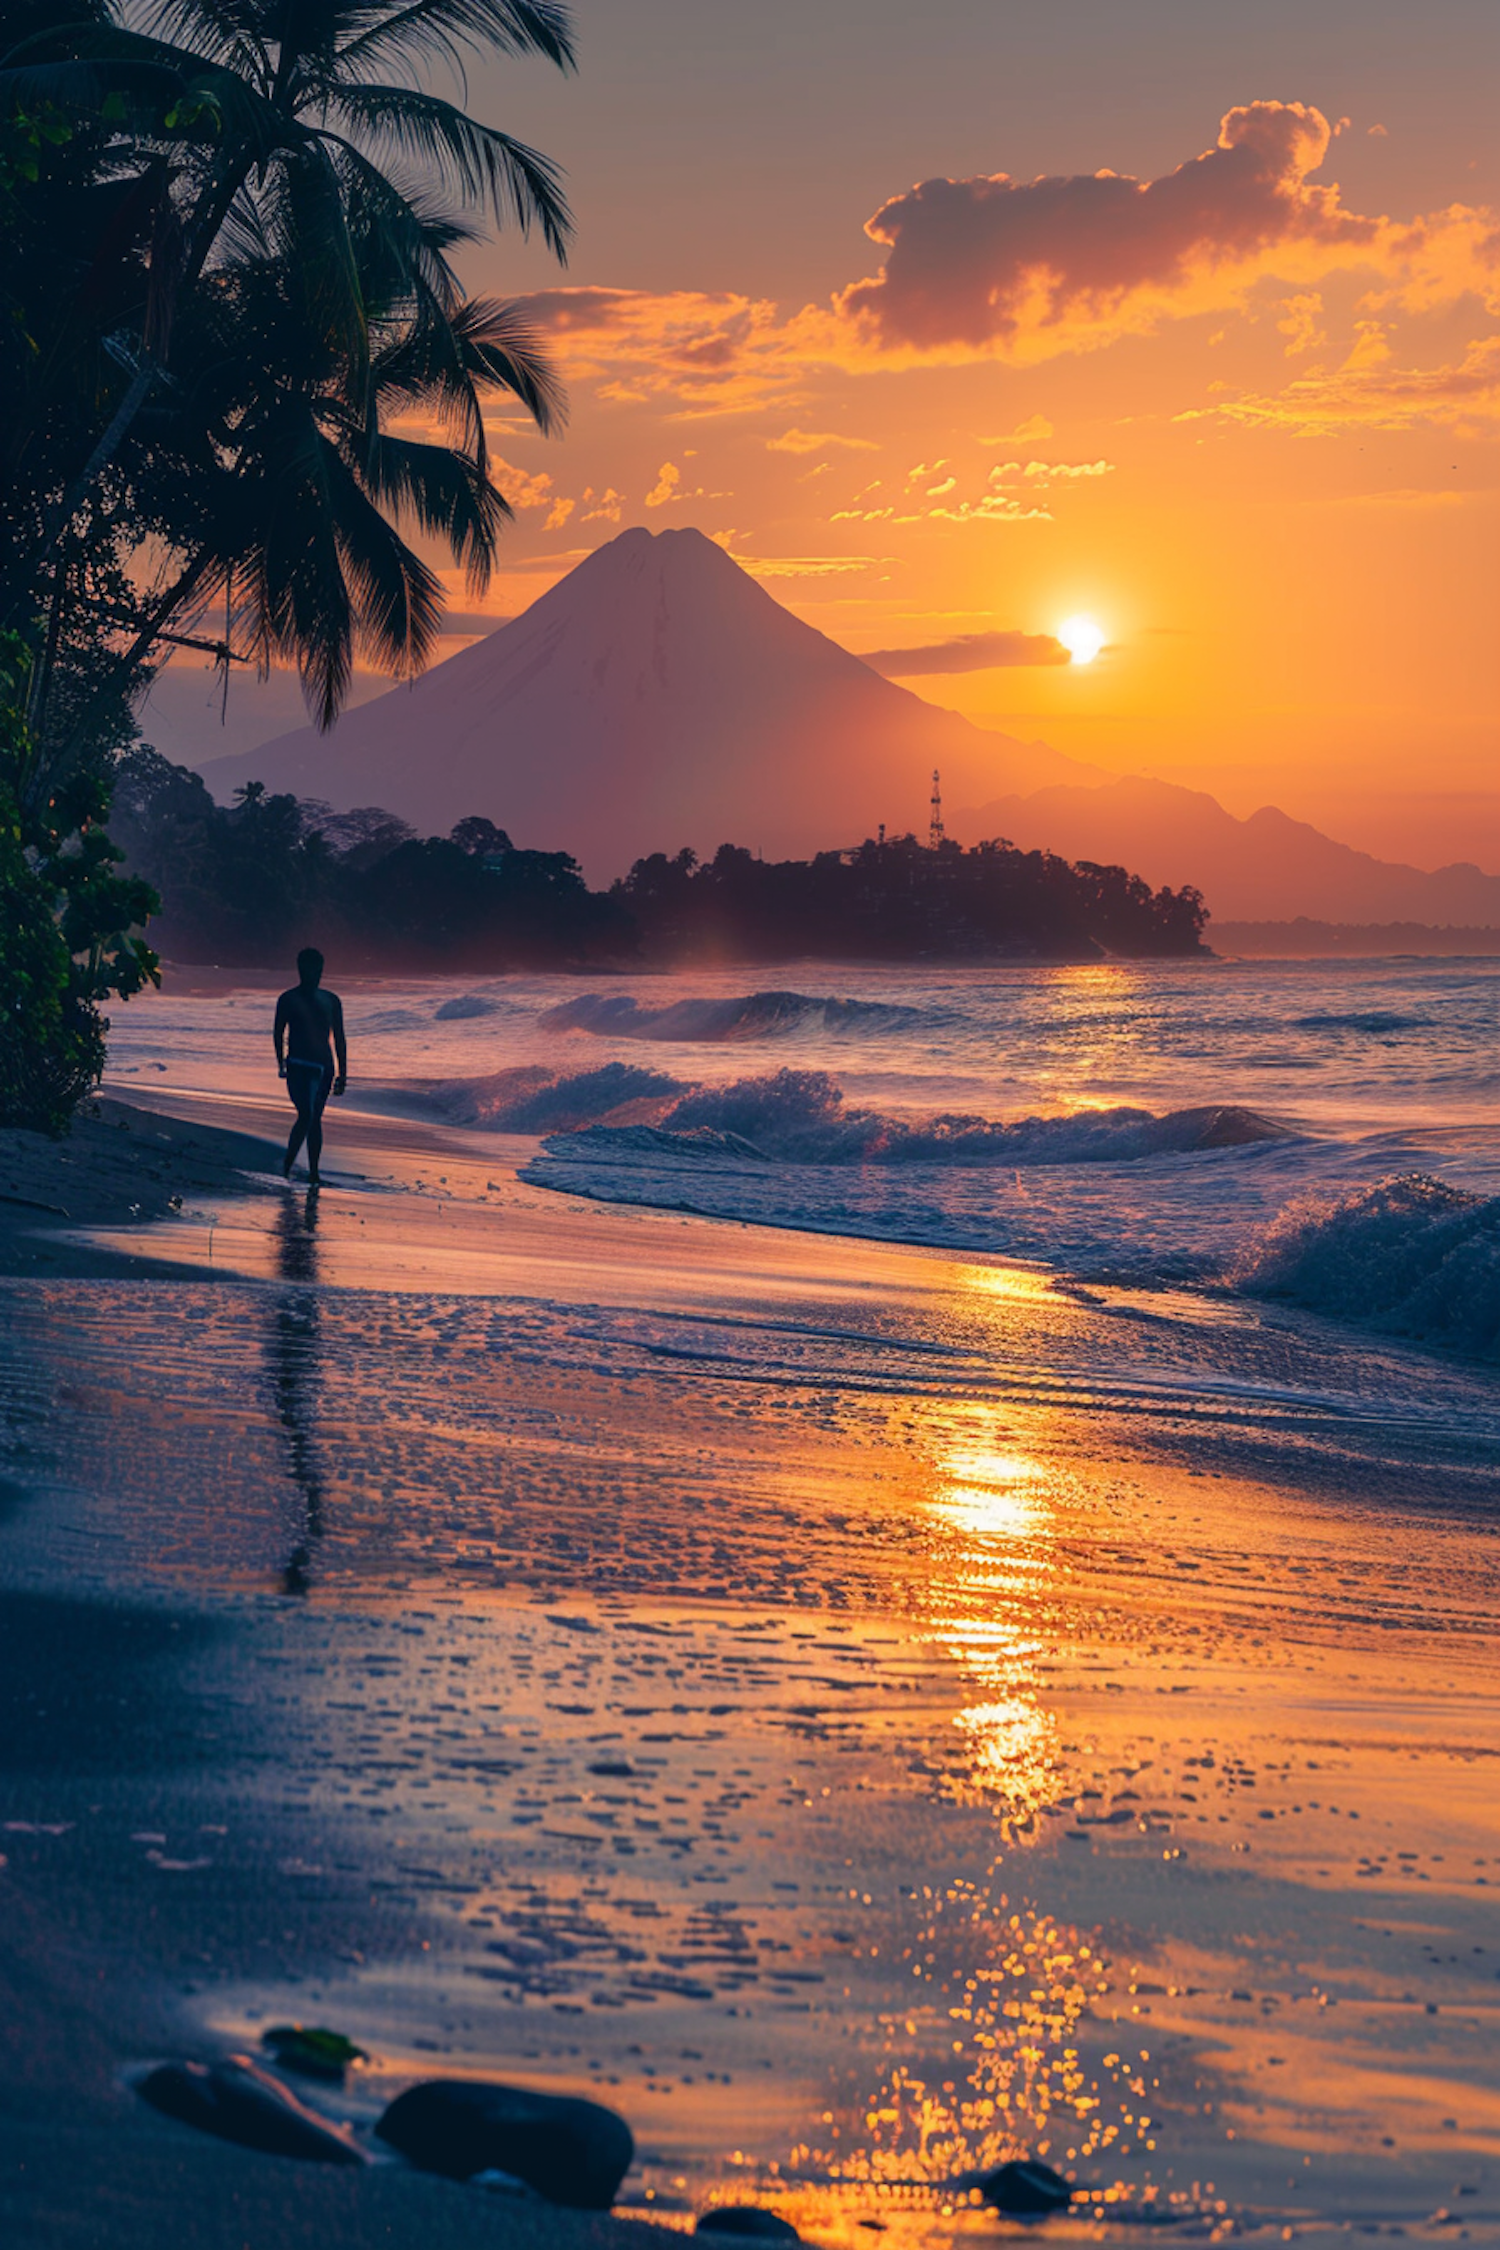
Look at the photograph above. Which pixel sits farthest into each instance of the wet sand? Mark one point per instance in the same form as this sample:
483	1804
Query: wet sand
122	1166
861	1712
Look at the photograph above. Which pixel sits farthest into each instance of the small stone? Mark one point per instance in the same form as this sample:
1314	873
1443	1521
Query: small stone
747	2219
240	2103
1024	2188
312	2050
573	2152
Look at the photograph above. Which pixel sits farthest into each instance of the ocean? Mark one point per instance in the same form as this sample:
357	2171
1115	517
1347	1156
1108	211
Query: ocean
883	1574
1327	1130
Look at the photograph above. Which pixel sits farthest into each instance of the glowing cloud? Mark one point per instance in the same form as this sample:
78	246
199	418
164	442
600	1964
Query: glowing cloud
992	260
991	268
968	652
818	441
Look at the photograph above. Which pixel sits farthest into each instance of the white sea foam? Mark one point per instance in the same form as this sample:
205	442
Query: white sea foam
1072	1116
1410	1255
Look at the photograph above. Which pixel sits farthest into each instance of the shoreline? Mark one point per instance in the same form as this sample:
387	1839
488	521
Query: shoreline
333	1589
122	1165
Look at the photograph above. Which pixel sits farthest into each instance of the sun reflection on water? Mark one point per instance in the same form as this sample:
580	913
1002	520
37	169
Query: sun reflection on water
987	1596
995	2060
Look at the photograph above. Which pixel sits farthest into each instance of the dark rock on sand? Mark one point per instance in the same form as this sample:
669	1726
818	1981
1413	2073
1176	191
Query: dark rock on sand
1023	2188
240	2103
573	2152
747	2219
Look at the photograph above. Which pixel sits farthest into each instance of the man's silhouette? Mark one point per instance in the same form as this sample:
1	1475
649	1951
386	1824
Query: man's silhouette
309	1032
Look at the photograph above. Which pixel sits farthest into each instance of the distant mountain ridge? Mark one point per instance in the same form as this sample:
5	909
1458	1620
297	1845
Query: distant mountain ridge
1266	868
656	697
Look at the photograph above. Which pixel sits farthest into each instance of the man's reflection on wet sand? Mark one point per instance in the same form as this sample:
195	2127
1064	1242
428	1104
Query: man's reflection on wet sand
292	1342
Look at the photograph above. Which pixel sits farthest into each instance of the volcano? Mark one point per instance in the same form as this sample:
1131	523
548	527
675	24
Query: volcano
656	697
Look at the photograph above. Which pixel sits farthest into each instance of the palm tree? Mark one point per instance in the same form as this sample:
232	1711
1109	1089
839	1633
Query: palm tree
272	177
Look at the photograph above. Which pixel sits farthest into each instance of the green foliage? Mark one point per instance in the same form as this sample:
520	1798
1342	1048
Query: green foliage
24	135
231	283
66	922
312	2049
226	280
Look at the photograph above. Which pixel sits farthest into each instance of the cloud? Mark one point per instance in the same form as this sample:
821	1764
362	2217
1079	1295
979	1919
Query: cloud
665	488
523	490
993	261
1369	392
1035	430
992	507
602	507
707	352
991	268
808	566
968	652
814	441
1005	472
1301	323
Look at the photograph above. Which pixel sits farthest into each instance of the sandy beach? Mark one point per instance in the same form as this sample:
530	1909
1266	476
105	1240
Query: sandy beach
858	1710
749	1125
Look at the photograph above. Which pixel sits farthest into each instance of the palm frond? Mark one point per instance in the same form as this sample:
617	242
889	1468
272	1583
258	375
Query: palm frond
297	601
312	235
482	164
243	237
441	490
501	349
397	599
231	32
403	242
440	30
444	364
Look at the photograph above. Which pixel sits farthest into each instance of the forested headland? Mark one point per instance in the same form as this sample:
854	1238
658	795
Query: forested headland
245	885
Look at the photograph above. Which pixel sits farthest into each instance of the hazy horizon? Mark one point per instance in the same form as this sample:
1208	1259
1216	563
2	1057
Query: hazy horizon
1248	425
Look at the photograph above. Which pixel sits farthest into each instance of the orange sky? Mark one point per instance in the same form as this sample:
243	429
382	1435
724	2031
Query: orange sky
1239	402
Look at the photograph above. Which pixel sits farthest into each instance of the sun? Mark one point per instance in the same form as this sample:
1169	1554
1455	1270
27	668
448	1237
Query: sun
1082	638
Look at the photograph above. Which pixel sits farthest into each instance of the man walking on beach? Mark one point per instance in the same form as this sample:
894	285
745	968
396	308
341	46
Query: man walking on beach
309	1032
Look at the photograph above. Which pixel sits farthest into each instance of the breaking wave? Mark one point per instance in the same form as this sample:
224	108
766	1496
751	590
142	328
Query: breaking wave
533	1099
463	1006
1411	1256
755	1015
800	1117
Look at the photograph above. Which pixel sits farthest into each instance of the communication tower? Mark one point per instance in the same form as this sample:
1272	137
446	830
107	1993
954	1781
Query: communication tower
935	823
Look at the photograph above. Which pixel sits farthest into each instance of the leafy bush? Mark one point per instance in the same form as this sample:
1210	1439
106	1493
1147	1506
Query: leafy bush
66	923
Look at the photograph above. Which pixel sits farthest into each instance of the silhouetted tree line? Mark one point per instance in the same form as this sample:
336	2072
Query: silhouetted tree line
902	900
246	884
